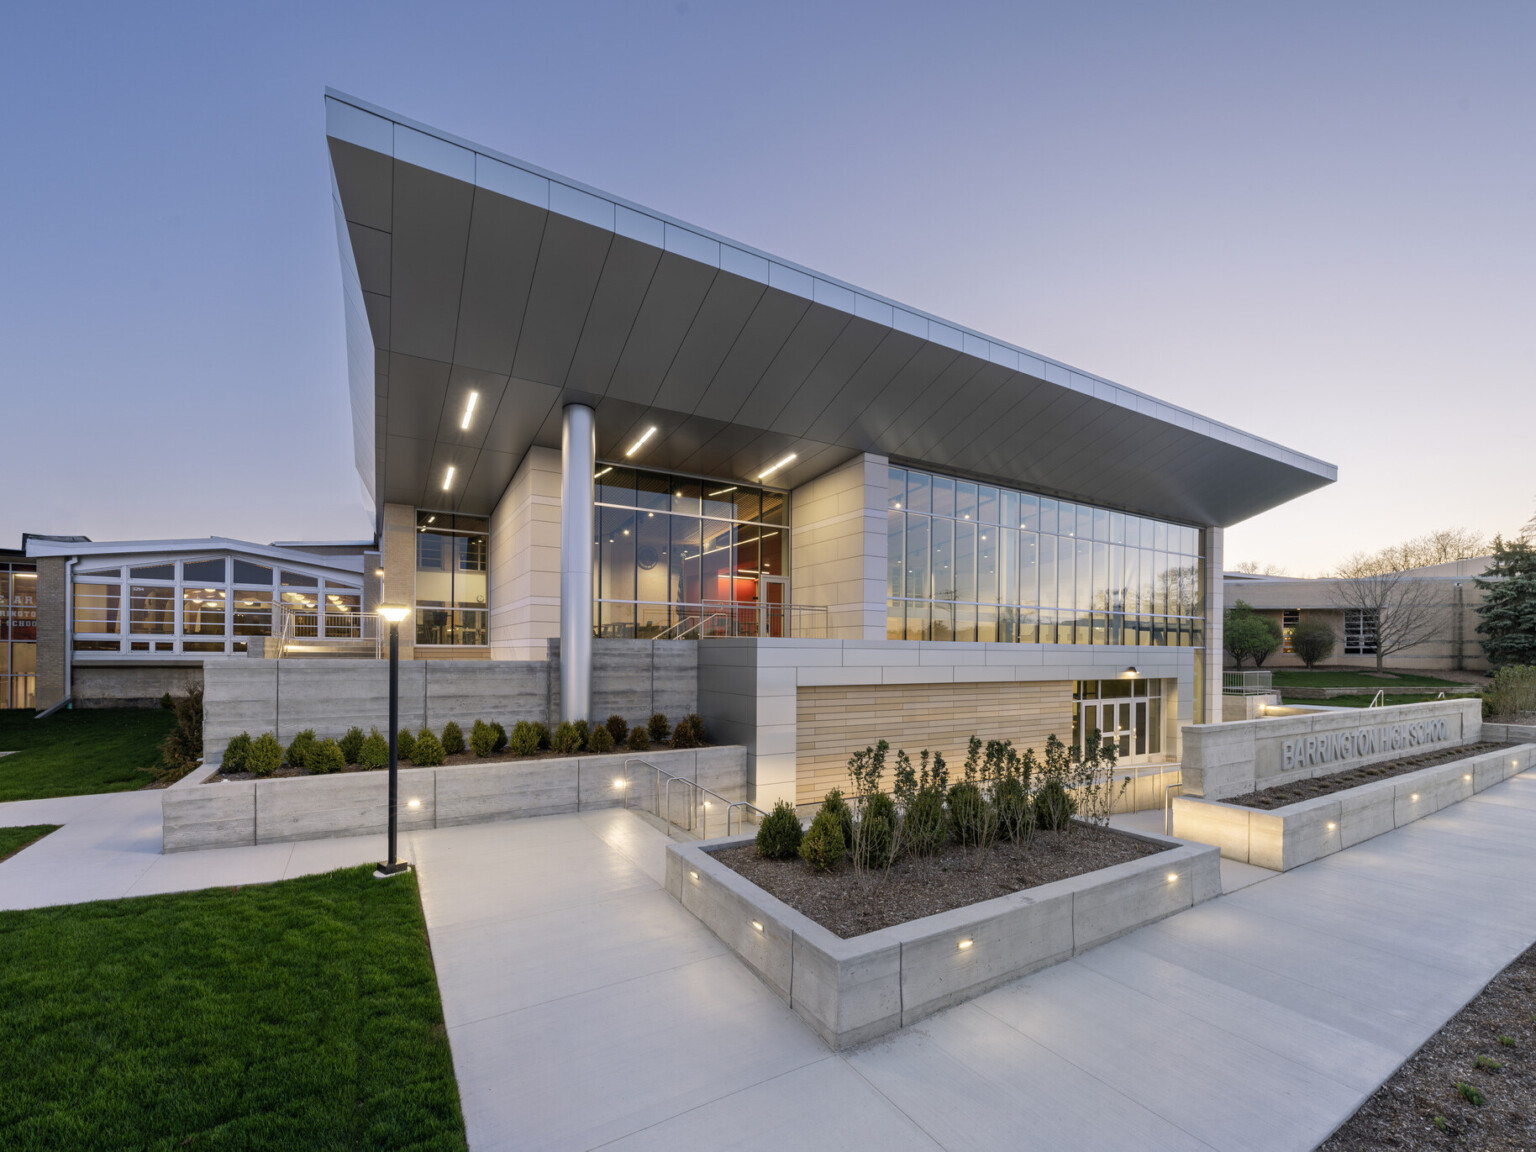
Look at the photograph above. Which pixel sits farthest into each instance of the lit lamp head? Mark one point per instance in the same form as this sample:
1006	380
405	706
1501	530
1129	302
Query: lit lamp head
1133	671
394	613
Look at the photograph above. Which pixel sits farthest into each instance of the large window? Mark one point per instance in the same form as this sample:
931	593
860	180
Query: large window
675	552
971	561
1360	631
18	633
451	553
205	605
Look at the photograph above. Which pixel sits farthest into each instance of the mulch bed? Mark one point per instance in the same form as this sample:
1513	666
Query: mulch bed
1282	794
851	903
1403	1112
452	761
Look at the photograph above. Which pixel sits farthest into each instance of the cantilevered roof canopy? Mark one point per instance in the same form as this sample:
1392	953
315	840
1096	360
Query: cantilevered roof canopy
467	271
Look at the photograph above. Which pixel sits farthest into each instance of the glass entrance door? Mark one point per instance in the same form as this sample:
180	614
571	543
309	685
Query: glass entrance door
1115	721
771	598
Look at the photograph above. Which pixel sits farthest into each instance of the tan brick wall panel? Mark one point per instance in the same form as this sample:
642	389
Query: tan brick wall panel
833	722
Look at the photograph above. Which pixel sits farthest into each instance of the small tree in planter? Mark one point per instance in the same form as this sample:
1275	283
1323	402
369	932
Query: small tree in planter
427	752
351	744
375	750
618	728
453	738
874	835
482	739
600	740
822	847
658	727
266	755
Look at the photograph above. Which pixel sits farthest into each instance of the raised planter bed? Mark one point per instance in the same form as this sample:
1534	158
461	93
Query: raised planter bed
1296	834
243	812
852	990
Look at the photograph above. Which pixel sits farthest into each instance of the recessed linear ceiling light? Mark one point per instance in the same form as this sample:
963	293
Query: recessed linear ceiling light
638	444
469	410
603	473
448	479
776	465
723	491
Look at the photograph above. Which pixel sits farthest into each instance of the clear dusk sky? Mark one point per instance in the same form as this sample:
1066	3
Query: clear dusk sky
1314	221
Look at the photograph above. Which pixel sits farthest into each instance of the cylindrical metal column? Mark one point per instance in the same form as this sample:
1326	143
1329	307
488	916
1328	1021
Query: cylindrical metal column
578	454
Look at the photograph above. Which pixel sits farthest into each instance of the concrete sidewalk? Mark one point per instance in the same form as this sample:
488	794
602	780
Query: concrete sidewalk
109	846
586	1008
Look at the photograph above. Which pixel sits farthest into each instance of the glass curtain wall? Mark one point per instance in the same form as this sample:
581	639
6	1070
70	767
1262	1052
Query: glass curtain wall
675	551
971	561
451	569
18	634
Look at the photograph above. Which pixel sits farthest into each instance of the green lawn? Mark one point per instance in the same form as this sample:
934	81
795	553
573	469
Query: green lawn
79	751
1343	678
296	1015
13	840
1362	701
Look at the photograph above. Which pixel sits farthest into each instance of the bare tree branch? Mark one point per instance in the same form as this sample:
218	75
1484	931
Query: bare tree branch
1406	610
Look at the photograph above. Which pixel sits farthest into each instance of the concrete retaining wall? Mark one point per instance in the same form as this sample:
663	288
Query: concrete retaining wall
853	990
1285	838
632	678
1222	760
244	812
1510	732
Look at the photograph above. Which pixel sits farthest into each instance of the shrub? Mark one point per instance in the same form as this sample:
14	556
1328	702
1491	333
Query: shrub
405	745
823	846
182	747
600	740
874	842
482	739
524	740
237	754
1015	816
542	729
926	827
299	751
972	820
682	735
567	739
325	756
696	722
427	752
1471	1095
1513	691
166	702
453	738
1313	641
834	803
779	835
1054	806
618	728
375	750
266	755
658	726
351	745
584	731
501	736
639	738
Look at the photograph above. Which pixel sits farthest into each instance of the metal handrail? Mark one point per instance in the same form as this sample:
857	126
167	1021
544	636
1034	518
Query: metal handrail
295	623
1247	683
718	618
1379	700
695	797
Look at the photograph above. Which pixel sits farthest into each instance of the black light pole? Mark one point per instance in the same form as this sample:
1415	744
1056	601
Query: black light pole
393	865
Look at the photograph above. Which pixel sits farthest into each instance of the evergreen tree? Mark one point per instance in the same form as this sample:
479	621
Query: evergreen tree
1508	609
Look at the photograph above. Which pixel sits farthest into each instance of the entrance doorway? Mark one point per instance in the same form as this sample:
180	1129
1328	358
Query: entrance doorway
1128	712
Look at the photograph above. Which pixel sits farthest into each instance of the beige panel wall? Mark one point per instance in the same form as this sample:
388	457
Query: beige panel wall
838	545
525	560
399	564
834	721
52	638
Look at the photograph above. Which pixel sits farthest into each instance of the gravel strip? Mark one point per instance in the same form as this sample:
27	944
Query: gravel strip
1282	794
851	903
1403	1112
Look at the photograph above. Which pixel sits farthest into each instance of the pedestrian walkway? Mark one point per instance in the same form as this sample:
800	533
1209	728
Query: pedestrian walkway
585	1008
109	846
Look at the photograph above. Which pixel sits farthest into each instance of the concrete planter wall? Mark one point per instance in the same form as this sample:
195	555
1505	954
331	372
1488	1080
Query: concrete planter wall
243	812
1285	838
853	990
1511	732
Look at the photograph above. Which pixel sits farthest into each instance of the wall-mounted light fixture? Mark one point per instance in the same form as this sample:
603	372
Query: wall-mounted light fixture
966	943
1133	671
469	410
638	444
